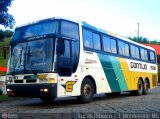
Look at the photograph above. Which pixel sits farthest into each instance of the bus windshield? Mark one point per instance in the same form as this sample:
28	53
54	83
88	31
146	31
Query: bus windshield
31	57
33	46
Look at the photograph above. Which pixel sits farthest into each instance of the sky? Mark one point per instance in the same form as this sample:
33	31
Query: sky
118	16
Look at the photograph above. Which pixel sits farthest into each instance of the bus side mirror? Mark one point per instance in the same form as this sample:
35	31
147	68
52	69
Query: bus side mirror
4	52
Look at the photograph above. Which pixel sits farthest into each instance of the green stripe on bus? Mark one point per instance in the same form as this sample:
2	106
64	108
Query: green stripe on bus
31	77
109	72
119	73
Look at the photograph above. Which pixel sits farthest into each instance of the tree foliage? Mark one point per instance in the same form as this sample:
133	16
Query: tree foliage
144	40
6	19
5	34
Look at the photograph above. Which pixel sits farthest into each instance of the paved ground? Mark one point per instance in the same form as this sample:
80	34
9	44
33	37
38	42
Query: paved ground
99	108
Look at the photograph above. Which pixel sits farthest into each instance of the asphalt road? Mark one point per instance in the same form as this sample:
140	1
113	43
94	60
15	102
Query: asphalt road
147	106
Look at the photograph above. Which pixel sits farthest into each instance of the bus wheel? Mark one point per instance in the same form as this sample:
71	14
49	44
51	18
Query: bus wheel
145	87
140	88
86	91
47	99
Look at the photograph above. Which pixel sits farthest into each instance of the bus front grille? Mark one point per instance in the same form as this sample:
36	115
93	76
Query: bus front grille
31	81
18	81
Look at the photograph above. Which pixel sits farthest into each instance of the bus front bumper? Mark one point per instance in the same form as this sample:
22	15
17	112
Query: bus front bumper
32	90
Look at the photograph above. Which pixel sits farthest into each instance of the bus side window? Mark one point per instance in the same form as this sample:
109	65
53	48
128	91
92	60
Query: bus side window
97	42
113	46
144	53
134	51
151	56
107	44
123	48
87	37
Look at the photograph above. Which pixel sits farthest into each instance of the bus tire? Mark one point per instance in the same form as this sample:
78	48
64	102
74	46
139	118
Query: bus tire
47	99
145	87
139	88
87	90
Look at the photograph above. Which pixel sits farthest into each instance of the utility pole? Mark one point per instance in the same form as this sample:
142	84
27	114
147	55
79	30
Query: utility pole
138	31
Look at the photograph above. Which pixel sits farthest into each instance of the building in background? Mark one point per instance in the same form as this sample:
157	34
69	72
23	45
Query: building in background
156	47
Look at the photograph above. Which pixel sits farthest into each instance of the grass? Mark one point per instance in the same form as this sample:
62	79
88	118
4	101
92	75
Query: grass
5	97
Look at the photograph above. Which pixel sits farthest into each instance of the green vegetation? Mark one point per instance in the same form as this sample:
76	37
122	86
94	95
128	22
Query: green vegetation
144	40
4	43
5	97
5	34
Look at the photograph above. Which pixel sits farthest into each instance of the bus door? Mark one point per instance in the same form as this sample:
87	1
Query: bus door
64	67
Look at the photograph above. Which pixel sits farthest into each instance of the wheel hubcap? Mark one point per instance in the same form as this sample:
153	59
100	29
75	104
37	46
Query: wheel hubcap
87	90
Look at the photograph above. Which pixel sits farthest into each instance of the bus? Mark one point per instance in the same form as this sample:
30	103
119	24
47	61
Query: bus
61	57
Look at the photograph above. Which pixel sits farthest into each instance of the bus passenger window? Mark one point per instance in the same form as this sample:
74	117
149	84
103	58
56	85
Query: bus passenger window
113	46
137	52
123	48
87	37
106	44
97	42
126	49
144	55
134	51
152	56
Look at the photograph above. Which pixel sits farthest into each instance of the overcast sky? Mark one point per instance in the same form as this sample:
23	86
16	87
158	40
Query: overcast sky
118	16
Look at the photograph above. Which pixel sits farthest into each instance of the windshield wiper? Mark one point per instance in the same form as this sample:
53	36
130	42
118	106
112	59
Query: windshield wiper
28	56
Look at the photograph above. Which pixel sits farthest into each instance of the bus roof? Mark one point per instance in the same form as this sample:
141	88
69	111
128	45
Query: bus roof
85	24
48	19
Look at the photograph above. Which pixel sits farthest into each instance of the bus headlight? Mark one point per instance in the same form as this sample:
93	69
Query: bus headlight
9	90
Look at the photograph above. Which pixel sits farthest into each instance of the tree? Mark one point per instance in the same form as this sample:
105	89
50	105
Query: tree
6	19
8	33
144	40
1	35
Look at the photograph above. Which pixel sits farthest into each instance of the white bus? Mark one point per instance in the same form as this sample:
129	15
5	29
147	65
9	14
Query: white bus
60	57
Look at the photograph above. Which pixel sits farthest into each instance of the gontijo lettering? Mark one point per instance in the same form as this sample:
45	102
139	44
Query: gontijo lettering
138	65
